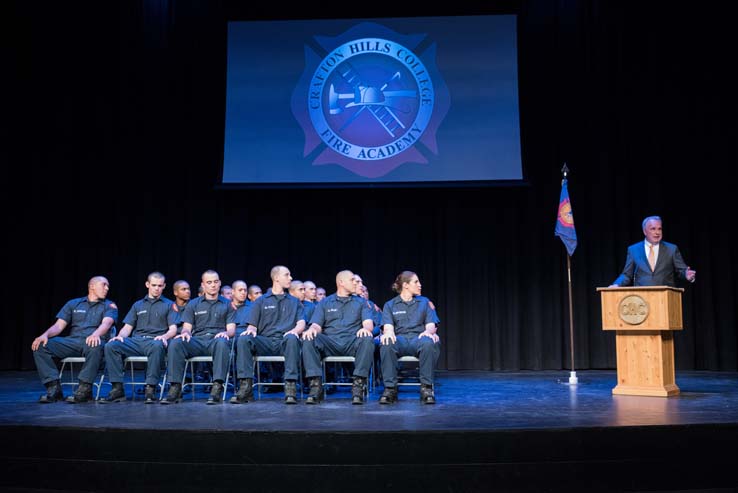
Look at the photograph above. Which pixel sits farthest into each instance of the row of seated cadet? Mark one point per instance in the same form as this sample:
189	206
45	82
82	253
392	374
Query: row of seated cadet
171	337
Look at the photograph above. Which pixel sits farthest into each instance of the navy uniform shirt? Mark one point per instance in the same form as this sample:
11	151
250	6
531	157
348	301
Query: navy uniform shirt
242	315
309	307
180	311
274	314
341	316
84	316
152	316
409	318
209	316
376	316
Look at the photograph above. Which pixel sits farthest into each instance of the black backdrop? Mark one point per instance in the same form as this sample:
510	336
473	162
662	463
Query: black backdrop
114	118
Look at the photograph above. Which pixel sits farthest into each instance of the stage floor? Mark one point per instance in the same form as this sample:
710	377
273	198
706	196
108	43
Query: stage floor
466	400
525	431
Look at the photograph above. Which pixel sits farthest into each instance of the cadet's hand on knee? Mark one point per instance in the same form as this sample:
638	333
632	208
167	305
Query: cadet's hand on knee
38	341
433	337
93	341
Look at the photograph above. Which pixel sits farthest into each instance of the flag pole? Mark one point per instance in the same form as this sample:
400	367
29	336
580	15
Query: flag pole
573	380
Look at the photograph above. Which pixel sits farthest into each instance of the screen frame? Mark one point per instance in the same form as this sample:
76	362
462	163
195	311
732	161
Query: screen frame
504	8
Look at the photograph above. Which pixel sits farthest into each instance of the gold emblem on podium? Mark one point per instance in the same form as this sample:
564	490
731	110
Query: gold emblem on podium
633	310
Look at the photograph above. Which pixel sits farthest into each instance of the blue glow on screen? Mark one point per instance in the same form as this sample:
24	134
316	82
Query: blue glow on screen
372	101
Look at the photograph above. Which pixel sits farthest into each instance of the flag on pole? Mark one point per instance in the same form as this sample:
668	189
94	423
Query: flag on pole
565	221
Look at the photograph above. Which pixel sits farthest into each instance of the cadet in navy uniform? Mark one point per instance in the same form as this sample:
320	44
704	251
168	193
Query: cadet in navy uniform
241	303
341	326
209	322
89	319
376	312
275	323
310	291
409	322
182	294
150	323
298	289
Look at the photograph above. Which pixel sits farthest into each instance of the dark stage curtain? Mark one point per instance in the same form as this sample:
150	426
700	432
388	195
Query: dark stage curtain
115	116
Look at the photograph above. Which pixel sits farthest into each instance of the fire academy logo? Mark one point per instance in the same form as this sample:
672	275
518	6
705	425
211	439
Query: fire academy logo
372	99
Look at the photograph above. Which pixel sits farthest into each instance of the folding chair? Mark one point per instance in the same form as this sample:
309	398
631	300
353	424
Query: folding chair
207	359
344	359
272	359
71	361
408	359
400	361
131	361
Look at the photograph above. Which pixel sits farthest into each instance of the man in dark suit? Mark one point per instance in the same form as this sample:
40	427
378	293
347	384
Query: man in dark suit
653	262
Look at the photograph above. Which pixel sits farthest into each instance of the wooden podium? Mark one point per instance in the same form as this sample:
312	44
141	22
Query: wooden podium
643	319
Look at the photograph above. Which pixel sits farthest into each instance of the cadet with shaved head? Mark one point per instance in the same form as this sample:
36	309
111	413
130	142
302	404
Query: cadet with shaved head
150	323
275	323
89	320
209	322
341	326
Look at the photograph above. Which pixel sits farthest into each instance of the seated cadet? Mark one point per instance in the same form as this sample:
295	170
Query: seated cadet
182	294
241	304
89	319
274	326
150	323
309	304
409	329
376	319
310	291
376	311
209	323
254	292
319	294
340	326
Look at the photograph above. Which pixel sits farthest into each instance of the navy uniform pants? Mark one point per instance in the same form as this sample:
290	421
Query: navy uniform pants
203	345
422	348
117	351
247	347
64	347
361	348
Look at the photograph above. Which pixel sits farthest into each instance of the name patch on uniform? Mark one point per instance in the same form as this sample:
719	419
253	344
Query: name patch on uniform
80	311
204	312
269	307
141	312
332	310
399	313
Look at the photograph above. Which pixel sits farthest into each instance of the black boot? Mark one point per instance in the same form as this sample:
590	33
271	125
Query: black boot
389	395
53	393
357	391
426	394
245	391
216	393
150	394
82	394
316	391
174	395
117	394
290	392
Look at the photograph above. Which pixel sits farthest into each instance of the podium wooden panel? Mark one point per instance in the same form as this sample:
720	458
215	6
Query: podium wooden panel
643	319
